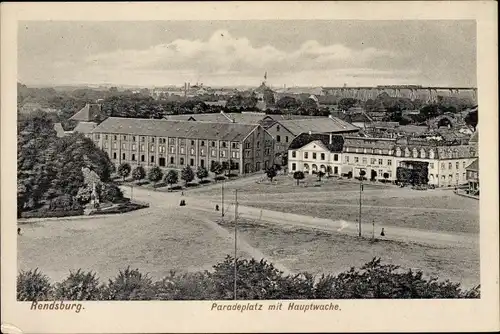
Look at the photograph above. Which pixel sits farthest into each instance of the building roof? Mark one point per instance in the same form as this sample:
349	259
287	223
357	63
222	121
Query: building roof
369	143
474	138
89	113
318	125
306	138
59	130
181	129
474	165
85	127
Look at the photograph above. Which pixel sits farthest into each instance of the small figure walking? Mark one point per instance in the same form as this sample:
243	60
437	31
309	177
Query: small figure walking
18	231
182	193
216	207
382	233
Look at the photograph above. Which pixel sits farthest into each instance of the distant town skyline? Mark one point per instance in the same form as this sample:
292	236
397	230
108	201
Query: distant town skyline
238	53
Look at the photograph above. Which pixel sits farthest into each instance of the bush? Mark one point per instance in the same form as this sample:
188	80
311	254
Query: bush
122	208
160	185
186	286
130	284
64	203
47	213
32	285
141	183
191	184
176	187
219	178
205	181
110	192
79	285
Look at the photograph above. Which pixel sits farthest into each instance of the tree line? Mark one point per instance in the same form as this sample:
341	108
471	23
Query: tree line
256	280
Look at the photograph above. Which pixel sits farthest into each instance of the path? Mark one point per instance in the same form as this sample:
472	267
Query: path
280	218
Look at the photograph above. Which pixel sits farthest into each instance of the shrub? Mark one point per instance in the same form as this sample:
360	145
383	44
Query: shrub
191	184
124	170
186	286
219	178
110	192
155	174
130	284
122	208
138	173
204	181
187	175
177	187
79	285
201	173
32	285
64	203
172	177
298	175
47	213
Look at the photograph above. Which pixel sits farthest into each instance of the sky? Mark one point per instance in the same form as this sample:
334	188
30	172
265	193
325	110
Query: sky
234	53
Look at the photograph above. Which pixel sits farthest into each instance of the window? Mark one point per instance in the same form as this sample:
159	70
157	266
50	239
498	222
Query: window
314	155
247	145
143	139
114	145
373	161
278	138
124	137
105	144
213	144
181	161
171	141
443	166
124	146
294	154
336	157
213	153
247	153
277	128
306	155
152	159
379	151
142	158
235	145
191	162
463	176
347	159
431	165
202	143
97	136
202	163
114	155
457	165
163	141
322	156
224	144
450	165
161	161
172	149
133	138
115	137
152	148
106	137
463	164
389	162
223	154
202	152
192	151
192	142
172	160
152	139
294	166
133	147
133	157
356	160
266	152
380	161
364	161
258	144
123	156
182	150
182	141
286	139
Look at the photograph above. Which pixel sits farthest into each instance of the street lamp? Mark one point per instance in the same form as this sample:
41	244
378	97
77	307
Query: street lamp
362	174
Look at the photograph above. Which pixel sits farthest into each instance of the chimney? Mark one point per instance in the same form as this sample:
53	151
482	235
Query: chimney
310	133
330	141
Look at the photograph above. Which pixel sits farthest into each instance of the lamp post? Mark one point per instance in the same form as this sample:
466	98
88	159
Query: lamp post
235	239
222	199
361	176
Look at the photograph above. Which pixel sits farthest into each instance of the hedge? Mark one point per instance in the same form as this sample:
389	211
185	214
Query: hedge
46	213
121	208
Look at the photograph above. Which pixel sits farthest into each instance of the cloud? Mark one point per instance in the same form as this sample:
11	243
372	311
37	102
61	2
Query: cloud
223	52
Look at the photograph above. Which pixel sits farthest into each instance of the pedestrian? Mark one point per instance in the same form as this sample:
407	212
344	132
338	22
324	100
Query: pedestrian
182	193
382	233
18	231
216	207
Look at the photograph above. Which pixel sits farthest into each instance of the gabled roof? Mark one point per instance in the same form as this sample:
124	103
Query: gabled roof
306	138
85	127
89	113
474	165
181	129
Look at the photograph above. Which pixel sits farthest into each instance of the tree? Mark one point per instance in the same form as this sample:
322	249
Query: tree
347	103
362	174
271	173
471	119
287	102
138	173
386	176
155	174
201	173
172	177
329	170
298	175
187	174
320	174
124	170
216	168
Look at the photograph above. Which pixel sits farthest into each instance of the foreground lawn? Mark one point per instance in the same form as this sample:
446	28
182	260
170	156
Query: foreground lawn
322	252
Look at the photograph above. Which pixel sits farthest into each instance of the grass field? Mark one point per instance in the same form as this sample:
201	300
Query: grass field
435	210
322	252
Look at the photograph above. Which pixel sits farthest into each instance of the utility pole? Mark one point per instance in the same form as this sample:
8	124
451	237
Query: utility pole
235	238
222	198
373	230
131	191
360	190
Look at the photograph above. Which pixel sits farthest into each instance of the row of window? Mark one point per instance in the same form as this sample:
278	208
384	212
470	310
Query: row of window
182	150
373	161
433	177
450	165
171	141
315	156
407	153
278	139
